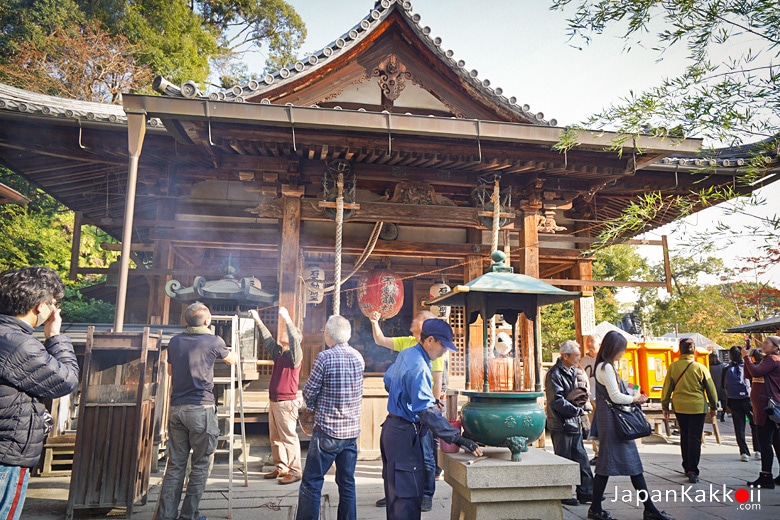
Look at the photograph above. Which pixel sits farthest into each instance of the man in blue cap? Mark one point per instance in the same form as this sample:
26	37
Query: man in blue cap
412	411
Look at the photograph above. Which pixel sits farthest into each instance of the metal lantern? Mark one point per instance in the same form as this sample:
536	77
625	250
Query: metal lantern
440	311
315	284
382	291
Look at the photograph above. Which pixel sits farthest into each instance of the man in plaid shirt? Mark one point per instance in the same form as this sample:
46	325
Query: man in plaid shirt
334	391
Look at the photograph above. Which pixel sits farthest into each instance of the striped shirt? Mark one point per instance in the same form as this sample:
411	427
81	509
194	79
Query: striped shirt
334	391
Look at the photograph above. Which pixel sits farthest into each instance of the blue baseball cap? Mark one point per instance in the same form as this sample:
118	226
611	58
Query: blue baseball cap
441	331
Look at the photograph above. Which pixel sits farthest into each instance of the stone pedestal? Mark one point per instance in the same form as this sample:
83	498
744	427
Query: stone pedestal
497	488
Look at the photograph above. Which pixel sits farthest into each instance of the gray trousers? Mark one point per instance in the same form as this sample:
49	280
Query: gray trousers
190	427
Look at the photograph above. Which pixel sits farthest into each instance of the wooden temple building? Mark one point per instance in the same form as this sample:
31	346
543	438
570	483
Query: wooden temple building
248	178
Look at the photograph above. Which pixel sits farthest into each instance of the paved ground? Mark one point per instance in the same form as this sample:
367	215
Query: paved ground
263	499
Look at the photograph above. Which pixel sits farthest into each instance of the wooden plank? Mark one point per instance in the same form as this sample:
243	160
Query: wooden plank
602	283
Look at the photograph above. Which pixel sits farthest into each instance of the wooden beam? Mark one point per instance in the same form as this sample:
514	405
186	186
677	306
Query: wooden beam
591	240
602	283
288	255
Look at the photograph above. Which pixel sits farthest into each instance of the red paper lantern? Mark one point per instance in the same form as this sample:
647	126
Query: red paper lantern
381	291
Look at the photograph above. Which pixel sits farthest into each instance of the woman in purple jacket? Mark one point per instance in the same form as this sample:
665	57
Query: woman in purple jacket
767	430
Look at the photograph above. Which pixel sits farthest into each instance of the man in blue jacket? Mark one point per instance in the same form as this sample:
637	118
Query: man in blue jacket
29	373
564	417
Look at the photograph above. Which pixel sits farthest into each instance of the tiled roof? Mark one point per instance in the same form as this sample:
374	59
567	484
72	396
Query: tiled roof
17	100
361	30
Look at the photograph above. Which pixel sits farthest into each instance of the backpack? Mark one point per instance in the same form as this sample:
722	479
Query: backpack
737	387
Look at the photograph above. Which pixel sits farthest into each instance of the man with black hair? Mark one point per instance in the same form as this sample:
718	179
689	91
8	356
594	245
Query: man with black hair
192	419
29	373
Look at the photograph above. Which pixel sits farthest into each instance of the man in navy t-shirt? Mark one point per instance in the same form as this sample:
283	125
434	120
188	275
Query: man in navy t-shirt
192	419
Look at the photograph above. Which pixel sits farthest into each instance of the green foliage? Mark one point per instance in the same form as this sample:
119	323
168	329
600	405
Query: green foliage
728	93
178	39
726	100
615	263
77	309
40	233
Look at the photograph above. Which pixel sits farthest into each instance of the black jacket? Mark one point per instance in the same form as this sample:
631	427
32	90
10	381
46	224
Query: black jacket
29	373
561	414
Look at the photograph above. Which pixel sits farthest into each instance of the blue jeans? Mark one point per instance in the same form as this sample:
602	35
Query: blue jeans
429	461
13	490
190	427
324	450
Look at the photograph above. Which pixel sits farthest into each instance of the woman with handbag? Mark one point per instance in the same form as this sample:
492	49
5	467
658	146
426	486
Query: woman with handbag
684	388
767	430
617	455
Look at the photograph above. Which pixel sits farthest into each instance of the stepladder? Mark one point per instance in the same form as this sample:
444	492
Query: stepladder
229	392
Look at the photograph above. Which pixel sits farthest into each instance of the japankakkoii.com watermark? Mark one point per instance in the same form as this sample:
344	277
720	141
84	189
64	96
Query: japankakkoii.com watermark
746	498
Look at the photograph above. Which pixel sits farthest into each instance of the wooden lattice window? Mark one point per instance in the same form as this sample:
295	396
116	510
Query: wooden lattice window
458	359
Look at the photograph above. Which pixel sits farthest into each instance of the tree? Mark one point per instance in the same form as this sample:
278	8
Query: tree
728	100
178	39
80	63
614	263
40	233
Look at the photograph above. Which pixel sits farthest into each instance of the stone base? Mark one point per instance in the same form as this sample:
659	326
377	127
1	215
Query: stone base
496	488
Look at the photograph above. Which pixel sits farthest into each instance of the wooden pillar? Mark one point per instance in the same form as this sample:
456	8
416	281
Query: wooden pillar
584	309
288	254
159	307
75	246
528	254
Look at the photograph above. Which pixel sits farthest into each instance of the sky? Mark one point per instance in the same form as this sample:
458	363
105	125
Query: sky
523	47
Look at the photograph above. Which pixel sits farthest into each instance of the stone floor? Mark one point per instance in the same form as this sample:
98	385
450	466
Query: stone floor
263	499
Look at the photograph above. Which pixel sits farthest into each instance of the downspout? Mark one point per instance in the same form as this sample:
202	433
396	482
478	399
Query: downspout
136	130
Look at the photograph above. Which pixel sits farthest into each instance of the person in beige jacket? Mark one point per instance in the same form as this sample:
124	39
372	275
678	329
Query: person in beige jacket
689	388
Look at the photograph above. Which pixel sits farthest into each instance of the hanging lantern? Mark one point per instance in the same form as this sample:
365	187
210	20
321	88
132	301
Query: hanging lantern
437	289
315	283
382	291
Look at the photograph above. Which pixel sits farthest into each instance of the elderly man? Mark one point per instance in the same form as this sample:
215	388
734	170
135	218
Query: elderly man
564	417
431	442
283	397
412	410
334	391
30	372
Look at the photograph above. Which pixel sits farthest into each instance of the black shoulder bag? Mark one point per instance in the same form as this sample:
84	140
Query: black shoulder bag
630	420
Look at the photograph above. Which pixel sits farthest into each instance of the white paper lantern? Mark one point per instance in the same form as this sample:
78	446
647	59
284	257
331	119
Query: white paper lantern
315	284
437	289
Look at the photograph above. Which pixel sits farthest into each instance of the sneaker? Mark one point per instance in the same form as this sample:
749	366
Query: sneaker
744	457
756	455
427	504
382	502
570	502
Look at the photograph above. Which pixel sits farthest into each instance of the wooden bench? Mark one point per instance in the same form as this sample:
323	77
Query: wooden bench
58	456
671	424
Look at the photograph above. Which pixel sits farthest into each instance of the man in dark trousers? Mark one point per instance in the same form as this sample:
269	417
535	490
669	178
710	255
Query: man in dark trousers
564	417
192	419
334	391
412	410
283	399
29	373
